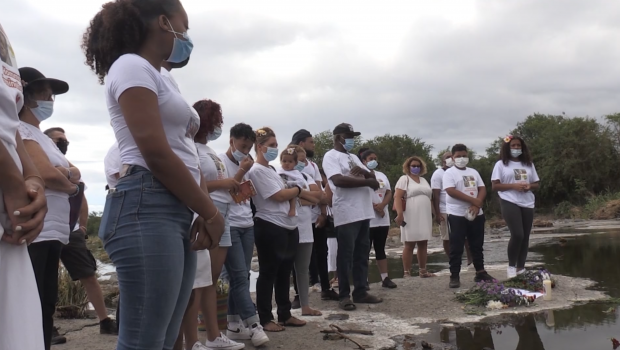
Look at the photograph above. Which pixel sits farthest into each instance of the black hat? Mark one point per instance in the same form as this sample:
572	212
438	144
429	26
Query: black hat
346	129
33	77
300	136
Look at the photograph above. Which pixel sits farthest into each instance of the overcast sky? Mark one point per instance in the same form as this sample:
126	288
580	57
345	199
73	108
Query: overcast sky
445	71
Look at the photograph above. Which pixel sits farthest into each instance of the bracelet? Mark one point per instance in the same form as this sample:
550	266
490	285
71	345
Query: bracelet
77	191
37	176
245	171
299	188
217	211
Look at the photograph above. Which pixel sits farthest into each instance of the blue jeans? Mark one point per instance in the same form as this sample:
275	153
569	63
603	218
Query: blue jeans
145	231
353	251
238	263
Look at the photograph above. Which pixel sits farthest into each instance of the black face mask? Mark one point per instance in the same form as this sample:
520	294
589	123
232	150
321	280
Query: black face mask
309	154
62	146
179	65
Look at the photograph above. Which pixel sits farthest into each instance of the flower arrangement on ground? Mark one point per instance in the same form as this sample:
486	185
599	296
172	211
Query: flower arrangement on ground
531	280
492	294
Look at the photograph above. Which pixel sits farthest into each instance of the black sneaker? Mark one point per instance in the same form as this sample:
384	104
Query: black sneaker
484	277
57	338
108	326
387	283
329	295
455	282
296	304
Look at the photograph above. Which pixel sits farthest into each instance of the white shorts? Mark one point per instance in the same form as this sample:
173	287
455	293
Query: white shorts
203	269
332	254
20	306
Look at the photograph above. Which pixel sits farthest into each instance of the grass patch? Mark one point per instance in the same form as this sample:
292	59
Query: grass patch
72	298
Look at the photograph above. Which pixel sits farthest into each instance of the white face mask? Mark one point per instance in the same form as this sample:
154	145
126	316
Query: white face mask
449	162
461	162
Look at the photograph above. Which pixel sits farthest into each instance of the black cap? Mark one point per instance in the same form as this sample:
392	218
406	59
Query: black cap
346	129
300	136
33	77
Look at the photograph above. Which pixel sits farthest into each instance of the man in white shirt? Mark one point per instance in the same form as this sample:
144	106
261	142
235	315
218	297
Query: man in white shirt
318	263
439	204
77	258
353	185
465	196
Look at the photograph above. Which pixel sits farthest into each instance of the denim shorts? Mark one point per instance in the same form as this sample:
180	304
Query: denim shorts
225	241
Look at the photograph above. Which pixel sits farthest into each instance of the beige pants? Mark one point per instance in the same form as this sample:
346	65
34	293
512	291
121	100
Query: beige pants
443	228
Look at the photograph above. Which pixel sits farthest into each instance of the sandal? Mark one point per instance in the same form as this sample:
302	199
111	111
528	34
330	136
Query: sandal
425	274
313	313
347	305
271	326
293	322
406	274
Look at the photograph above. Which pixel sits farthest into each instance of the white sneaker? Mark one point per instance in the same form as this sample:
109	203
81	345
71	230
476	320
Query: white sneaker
512	272
199	346
520	272
236	331
222	342
259	338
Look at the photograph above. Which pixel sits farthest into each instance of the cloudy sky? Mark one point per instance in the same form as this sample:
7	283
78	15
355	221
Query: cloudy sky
446	71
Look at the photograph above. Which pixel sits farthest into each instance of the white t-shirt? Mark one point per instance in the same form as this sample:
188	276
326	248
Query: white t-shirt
267	182
180	120
467	181
112	165
304	212
515	172
239	215
312	170
437	184
169	78
213	169
56	223
377	197
349	204
11	102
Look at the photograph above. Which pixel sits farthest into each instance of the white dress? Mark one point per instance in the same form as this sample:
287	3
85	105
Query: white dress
418	214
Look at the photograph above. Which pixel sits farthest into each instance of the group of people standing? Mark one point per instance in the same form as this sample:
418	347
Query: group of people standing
171	223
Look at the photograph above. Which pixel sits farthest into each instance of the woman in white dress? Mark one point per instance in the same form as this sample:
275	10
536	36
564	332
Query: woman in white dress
415	219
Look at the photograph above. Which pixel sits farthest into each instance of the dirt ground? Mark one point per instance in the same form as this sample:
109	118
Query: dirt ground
406	310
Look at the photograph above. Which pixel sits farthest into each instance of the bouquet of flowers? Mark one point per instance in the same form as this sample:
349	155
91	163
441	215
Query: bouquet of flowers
492	295
222	287
531	280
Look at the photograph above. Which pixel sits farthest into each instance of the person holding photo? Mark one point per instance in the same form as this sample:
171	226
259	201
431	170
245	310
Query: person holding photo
466	193
514	178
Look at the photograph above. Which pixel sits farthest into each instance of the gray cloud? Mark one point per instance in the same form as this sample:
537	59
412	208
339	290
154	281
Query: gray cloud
468	82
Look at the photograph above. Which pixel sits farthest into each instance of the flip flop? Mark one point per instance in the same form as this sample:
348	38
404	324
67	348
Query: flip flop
282	329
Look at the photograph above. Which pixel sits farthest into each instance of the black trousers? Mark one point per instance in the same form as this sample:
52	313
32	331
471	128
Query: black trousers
276	247
45	257
460	229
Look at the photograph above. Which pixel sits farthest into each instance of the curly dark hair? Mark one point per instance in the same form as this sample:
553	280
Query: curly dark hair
243	131
210	113
121	27
504	152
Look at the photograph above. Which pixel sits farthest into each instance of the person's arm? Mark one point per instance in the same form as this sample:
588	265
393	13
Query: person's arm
329	195
224	184
83	219
244	166
386	199
141	111
496	185
286	195
352	182
454	193
436	194
72	173
311	197
54	179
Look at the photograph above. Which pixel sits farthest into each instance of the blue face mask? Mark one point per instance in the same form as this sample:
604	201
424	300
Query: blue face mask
516	152
44	110
217	132
300	166
372	164
181	49
271	154
349	144
237	154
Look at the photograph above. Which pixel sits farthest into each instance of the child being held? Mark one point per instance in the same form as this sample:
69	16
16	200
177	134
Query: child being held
291	175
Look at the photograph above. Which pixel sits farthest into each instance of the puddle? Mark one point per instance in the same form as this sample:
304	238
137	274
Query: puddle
590	326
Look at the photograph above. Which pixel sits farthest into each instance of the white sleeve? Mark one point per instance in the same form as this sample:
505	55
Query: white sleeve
331	165
479	180
497	171
436	181
265	185
131	71
387	184
25	133
317	173
535	177
448	181
402	183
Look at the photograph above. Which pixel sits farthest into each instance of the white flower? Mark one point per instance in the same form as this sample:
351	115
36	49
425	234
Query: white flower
495	305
